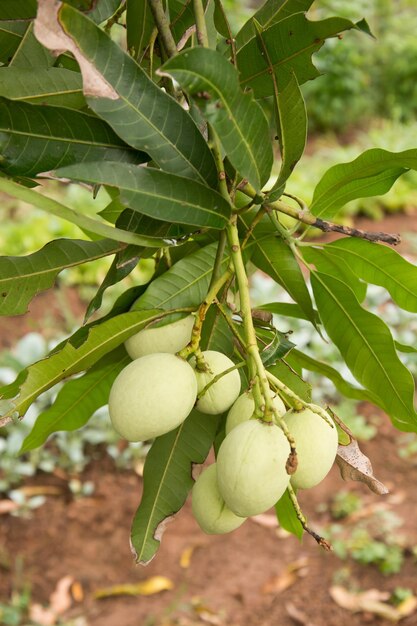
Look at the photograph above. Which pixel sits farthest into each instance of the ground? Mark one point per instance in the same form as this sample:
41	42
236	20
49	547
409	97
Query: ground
256	576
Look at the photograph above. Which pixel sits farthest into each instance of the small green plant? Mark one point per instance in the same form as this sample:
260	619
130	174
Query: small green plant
344	503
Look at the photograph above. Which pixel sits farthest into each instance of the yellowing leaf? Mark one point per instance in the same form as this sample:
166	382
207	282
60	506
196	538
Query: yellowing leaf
148	587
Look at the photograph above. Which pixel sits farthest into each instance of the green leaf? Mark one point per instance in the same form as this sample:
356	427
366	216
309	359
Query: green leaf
270	13
371	174
290	44
287	309
52	85
21	278
121	267
167	480
237	119
292	125
139	111
184	284
182	16
139	26
216	334
160	195
402	347
335	265
300	359
272	255
103	10
11	34
22	10
276	349
289	377
77	400
287	516
41	376
82	221
380	265
35	138
30	54
367	347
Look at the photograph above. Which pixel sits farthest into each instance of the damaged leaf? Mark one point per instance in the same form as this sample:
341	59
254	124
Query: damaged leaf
167	479
354	465
372	601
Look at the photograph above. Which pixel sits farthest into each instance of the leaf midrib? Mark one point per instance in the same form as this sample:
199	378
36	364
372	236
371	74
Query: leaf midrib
352	323
379	268
95	144
161	483
29	276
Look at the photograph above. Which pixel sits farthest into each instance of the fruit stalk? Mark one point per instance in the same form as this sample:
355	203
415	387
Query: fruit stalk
301	518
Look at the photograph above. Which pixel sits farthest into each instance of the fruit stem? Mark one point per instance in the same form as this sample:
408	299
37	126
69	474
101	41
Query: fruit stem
303	521
299	403
218	377
255	365
201	313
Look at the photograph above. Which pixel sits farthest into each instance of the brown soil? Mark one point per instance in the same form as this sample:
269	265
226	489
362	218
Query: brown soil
225	581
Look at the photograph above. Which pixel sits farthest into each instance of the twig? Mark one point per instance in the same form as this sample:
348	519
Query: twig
320	540
162	25
200	22
308	218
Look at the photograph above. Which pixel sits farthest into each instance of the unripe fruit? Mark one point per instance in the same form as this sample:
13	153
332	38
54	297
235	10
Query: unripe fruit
151	396
251	471
169	338
209	509
221	395
244	408
316	446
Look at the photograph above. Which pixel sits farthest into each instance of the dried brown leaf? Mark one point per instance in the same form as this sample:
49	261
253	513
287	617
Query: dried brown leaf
354	465
42	616
61	599
49	32
298	616
293	572
372	601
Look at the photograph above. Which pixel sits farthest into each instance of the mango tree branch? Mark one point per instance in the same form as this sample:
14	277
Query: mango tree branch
162	25
200	22
308	218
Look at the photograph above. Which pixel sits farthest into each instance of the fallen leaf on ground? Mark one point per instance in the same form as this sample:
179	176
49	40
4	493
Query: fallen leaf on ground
61	599
41	615
206	614
148	587
373	601
354	465
77	591
8	506
297	615
41	490
293	572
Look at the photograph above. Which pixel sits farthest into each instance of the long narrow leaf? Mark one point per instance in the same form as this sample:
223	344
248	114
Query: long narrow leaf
167	480
83	221
367	347
77	400
290	44
41	376
120	92
35	138
160	195
23	277
50	85
371	174
380	265
238	120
